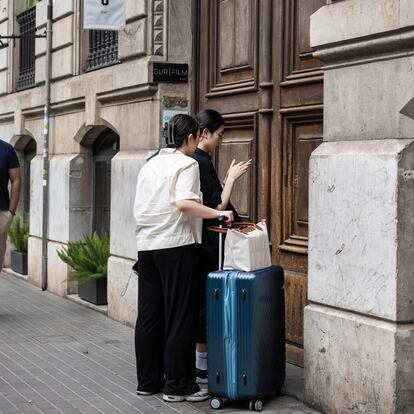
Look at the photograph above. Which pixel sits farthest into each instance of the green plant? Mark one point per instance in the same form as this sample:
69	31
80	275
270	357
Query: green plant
30	3
19	233
88	258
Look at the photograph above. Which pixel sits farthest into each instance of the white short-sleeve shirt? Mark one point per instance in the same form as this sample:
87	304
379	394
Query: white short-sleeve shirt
165	179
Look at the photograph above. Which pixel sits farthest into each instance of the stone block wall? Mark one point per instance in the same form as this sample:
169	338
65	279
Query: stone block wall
121	97
122	289
65	28
359	325
5	56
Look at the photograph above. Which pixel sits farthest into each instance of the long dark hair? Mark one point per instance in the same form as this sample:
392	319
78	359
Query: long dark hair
177	130
210	119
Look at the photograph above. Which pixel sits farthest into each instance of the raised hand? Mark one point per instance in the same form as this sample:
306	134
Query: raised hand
235	171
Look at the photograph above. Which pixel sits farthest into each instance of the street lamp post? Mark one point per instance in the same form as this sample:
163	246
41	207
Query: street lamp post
45	172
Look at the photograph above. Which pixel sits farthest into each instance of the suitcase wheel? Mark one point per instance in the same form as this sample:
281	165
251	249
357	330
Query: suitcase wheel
216	403
256	405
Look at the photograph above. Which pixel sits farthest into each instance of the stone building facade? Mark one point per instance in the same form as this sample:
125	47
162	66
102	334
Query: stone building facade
344	100
105	122
359	325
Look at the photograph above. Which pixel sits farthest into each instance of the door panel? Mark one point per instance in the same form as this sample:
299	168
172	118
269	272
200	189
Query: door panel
28	155
232	45
102	204
256	68
306	138
302	9
301	92
104	149
303	133
295	296
239	143
298	54
228	104
235	23
228	69
300	126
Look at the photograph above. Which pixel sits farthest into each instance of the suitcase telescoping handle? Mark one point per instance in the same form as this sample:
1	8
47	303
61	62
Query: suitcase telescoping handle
221	220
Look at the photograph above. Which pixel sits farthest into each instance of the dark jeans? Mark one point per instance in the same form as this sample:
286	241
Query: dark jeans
166	328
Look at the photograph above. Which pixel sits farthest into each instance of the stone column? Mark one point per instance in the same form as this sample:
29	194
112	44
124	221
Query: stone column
359	325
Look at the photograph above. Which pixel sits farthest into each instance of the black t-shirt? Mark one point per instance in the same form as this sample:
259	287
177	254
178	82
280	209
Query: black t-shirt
211	189
8	160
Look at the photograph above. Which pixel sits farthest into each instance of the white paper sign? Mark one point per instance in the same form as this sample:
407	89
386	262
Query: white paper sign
104	14
167	114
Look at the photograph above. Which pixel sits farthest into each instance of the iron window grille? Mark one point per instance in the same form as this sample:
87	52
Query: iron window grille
27	55
103	49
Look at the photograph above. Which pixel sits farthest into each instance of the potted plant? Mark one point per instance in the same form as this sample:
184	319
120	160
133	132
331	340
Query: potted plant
89	260
19	236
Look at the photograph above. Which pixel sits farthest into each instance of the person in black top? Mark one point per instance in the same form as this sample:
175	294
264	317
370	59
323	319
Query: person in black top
215	195
9	171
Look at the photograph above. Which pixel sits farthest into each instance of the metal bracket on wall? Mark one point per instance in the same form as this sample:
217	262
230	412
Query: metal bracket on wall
14	37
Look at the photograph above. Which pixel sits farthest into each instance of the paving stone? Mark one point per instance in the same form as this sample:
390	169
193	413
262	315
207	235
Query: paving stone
57	356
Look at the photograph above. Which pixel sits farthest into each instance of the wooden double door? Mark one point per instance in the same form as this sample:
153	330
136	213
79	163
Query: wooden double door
256	68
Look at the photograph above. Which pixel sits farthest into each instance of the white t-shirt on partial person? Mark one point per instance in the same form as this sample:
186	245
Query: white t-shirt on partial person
165	179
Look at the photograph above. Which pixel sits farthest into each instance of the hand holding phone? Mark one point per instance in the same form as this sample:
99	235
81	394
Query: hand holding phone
237	170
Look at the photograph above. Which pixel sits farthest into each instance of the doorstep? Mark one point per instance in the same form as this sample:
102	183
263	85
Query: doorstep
295	382
99	308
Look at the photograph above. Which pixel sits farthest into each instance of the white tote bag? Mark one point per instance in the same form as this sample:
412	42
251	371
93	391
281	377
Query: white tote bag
247	249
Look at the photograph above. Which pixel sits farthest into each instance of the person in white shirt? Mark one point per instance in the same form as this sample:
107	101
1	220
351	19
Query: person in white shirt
168	212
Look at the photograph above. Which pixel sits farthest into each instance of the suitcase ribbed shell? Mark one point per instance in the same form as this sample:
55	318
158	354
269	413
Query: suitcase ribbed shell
246	333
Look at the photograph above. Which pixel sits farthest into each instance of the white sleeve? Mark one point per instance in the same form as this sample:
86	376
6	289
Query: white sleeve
188	184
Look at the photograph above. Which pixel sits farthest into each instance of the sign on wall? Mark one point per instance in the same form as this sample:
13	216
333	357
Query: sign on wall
104	14
169	72
167	114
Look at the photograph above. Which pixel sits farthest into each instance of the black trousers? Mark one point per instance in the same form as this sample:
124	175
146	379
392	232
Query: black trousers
209	263
166	328
209	259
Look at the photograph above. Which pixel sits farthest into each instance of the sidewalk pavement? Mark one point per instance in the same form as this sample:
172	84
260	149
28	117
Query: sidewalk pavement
57	356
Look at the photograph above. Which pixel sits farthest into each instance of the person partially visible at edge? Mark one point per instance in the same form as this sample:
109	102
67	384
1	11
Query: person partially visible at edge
168	213
217	196
9	172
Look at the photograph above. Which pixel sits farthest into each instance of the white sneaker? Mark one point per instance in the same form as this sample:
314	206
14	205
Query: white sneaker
145	392
198	396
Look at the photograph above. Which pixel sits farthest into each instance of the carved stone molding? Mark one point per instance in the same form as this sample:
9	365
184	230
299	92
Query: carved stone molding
158	27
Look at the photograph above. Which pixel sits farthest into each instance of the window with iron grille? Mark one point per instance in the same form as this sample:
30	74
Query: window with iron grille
103	49
27	25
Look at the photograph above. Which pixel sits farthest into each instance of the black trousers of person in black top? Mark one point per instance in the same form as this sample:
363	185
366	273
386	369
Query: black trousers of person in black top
166	328
209	263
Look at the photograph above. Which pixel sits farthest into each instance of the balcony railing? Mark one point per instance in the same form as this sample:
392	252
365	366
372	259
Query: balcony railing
103	49
27	25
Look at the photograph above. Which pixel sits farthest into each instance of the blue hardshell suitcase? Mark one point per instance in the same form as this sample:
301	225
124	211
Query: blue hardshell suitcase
246	335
